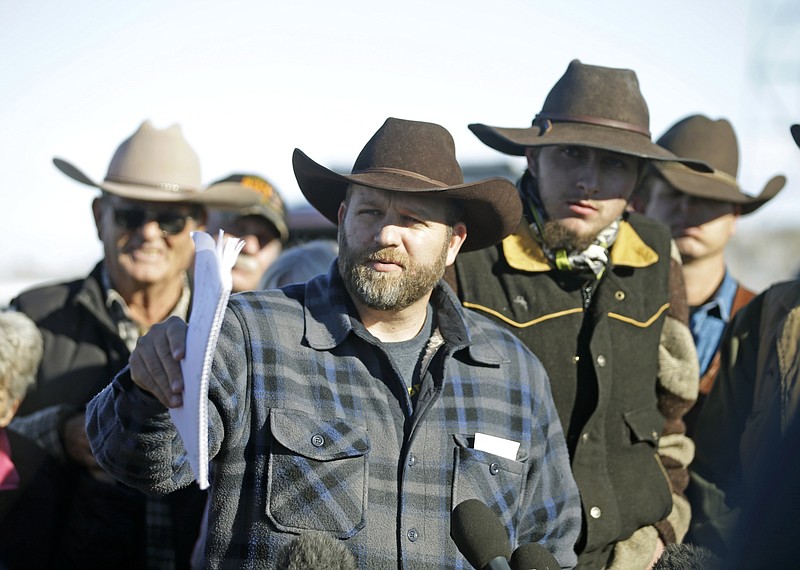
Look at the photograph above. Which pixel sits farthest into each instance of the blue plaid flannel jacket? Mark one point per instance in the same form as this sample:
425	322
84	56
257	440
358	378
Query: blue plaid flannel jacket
311	429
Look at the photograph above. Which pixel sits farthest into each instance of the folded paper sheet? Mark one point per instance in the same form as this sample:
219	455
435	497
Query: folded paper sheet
212	286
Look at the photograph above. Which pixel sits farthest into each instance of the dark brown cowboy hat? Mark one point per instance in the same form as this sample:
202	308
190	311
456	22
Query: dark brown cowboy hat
158	165
411	156
713	142
592	106
795	129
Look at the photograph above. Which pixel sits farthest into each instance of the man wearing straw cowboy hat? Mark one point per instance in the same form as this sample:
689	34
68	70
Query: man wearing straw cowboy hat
151	199
357	404
588	288
701	210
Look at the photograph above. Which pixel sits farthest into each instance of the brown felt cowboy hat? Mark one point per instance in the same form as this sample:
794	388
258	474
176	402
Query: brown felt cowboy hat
713	142
412	156
598	107
158	165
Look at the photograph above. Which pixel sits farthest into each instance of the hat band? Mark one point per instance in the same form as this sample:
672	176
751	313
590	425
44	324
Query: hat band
566	118
718	175
169	187
408	173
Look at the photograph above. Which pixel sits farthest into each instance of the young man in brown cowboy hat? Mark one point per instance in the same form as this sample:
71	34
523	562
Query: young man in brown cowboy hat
744	489
588	288
357	404
701	210
151	200
262	227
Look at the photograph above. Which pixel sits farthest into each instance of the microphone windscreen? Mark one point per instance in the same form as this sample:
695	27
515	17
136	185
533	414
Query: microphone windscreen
318	551
478	533
533	556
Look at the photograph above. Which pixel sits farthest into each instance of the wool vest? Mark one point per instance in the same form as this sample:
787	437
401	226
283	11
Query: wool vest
599	343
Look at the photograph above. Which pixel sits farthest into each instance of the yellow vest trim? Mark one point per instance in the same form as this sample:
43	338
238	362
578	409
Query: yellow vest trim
629	249
523	253
640	324
516	324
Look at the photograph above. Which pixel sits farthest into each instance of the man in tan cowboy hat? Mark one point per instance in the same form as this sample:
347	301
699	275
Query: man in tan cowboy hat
151	199
587	287
366	403
701	210
744	489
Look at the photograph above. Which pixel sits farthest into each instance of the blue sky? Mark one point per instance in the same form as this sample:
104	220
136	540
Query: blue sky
249	81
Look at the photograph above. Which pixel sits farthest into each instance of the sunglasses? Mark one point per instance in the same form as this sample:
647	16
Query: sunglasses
132	218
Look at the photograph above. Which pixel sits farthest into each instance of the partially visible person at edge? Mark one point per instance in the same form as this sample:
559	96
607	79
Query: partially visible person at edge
20	458
355	404
594	293
745	490
150	201
262	227
20	353
701	209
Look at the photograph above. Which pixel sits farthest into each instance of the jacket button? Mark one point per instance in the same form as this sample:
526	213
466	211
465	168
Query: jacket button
576	359
412	460
412	534
585	436
601	361
655	434
494	469
619	295
595	512
317	440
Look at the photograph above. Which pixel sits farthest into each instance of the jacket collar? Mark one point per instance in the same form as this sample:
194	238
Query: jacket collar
523	252
329	313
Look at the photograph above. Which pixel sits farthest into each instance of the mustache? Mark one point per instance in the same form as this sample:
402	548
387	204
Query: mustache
387	255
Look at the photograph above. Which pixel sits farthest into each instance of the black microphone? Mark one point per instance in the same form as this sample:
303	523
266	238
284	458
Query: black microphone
318	551
533	556
480	536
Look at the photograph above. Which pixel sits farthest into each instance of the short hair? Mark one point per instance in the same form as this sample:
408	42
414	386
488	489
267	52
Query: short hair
300	263
21	348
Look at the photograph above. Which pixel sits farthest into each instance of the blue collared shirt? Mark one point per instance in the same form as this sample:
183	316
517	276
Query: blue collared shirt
708	321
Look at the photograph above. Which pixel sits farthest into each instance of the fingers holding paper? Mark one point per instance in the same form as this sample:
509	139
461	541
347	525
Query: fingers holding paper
155	362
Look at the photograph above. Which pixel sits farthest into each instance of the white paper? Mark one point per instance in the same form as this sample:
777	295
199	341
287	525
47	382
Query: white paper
212	286
497	445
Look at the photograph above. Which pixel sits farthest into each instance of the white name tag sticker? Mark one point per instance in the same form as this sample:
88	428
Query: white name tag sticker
497	445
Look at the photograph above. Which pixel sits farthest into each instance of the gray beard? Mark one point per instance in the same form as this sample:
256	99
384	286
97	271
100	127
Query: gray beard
382	291
555	236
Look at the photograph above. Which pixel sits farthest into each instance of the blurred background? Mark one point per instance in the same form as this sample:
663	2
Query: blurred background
248	81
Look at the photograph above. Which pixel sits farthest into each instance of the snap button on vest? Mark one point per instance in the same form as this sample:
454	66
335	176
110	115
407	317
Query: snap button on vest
595	512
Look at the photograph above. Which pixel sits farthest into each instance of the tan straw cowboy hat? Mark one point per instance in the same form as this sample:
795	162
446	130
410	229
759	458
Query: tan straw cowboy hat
412	156
713	142
593	106
158	165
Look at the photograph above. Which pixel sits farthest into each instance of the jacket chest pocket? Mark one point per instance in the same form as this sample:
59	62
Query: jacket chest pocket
487	477
317	474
